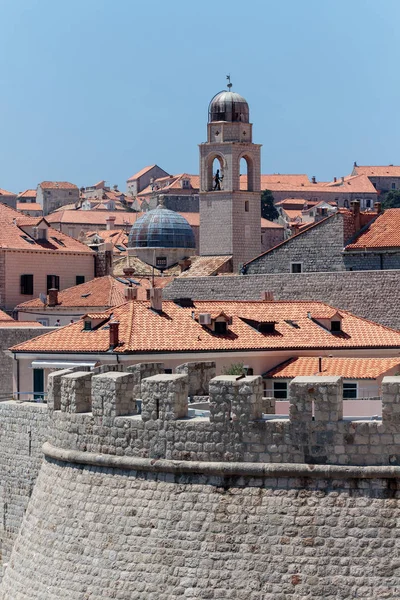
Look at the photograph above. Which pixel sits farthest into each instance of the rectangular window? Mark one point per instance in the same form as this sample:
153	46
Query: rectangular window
280	390
336	326
53	282
220	326
349	391
87	325
393	185
296	267
27	285
79	279
161	261
44	322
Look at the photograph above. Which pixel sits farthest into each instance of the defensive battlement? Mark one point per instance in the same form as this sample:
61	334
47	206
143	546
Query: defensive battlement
100	413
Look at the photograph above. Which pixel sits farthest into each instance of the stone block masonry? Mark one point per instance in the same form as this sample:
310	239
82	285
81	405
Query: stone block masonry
373	295
160	505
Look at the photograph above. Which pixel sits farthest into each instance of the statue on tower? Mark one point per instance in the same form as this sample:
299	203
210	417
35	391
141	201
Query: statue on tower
217	181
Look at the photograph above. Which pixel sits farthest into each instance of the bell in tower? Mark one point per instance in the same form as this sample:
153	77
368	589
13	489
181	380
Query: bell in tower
230	202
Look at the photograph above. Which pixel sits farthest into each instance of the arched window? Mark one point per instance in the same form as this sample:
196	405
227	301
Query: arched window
215	173
246	174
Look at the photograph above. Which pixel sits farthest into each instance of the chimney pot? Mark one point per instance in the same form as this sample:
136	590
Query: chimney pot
267	296
53	297
155	295
110	222
335	179
114	334
342	178
378	207
130	293
313	179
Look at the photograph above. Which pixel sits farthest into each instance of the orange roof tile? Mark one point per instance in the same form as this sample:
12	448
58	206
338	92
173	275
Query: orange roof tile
53	185
143	330
90	217
12	235
205	266
383	232
27	194
378	171
349	368
353	183
141	172
5	193
102	292
266	224
29	206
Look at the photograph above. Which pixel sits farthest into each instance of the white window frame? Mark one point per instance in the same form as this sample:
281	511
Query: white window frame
44	322
296	262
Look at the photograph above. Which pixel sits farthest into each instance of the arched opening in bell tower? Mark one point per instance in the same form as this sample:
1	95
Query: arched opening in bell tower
215	173
246	174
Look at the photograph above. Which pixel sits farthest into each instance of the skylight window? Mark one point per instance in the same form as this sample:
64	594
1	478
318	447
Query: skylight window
292	323
28	239
58	241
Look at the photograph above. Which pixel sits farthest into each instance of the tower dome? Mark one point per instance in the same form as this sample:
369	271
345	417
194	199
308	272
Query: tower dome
228	106
162	237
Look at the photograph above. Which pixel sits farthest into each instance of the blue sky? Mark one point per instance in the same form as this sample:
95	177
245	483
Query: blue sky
97	89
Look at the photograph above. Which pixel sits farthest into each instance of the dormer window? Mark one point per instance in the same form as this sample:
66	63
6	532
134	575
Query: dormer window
220	327
264	327
87	325
336	326
185	183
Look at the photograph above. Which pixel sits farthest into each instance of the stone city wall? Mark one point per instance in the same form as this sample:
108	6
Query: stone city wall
372	295
23	430
113	514
98	414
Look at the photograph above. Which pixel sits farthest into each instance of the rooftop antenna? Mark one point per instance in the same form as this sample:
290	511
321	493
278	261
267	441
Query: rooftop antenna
229	82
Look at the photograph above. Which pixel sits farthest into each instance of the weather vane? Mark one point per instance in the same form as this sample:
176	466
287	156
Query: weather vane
229	82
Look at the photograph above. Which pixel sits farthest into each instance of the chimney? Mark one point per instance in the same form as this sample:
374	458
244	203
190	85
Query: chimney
53	297
313	179
342	178
130	293
114	334
155	295
115	187
128	271
335	179
355	164
110	222
267	296
355	207
378	207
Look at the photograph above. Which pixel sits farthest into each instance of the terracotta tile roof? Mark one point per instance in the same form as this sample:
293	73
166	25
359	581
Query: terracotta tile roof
116	237
98	316
205	266
293	214
5	193
27	194
353	183
349	368
266	224
141	172
103	292
7	321
13	236
172	182
5	317
90	217
378	171
29	206
383	232
143	330
54	185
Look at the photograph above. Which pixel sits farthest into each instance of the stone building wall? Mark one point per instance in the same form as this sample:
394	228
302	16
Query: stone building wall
369	294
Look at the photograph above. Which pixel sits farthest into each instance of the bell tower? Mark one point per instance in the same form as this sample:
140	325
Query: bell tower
230	205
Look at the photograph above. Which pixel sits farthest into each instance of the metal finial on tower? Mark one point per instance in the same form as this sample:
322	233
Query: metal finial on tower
229	82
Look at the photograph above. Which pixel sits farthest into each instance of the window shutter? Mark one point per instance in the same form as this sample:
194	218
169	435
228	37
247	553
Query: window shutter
27	285
53	282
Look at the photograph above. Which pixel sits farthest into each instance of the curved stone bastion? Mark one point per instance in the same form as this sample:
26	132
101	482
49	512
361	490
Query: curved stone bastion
158	505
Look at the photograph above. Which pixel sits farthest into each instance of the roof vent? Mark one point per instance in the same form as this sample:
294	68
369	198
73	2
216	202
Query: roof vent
130	293
205	319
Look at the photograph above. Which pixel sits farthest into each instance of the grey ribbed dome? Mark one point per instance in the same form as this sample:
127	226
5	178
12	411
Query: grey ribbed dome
161	228
228	106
